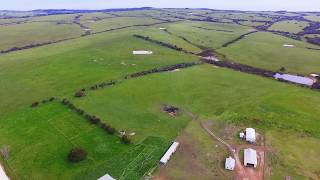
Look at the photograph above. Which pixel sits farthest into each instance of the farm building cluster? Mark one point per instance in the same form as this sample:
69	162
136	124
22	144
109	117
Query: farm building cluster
250	158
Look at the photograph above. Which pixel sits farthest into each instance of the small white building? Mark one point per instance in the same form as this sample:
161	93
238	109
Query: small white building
315	75
165	158
230	164
162	28
288	45
142	52
106	177
250	135
250	158
242	136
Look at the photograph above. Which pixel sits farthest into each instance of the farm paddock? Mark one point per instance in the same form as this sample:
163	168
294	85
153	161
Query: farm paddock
123	94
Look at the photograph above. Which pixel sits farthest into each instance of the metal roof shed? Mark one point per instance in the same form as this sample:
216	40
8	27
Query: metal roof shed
165	158
230	163
250	157
106	177
250	135
142	52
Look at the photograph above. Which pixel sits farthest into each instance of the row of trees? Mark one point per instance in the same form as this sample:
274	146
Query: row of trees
37	103
163	69
256	71
237	39
95	120
241	67
167	45
32	46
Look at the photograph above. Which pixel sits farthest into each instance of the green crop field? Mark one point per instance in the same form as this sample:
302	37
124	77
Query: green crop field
40	138
289	26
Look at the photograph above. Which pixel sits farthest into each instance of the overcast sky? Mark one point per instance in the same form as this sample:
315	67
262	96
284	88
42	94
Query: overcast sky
291	5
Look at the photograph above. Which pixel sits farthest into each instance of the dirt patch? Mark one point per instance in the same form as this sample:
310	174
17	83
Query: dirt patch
171	110
196	158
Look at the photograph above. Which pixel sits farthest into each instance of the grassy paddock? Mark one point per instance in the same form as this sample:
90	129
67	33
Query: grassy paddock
291	26
265	50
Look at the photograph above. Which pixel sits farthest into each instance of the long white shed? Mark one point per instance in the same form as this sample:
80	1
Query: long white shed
142	52
165	158
3	175
106	177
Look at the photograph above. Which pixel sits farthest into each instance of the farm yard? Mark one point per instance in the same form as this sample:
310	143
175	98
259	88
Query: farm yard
64	89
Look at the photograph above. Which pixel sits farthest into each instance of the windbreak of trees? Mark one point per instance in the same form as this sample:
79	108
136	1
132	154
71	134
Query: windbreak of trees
96	121
167	45
163	69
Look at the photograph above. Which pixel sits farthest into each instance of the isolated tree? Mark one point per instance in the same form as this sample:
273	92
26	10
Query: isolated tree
125	139
282	69
35	104
80	93
77	154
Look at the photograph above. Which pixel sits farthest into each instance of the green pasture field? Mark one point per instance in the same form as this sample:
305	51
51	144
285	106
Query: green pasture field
251	23
88	17
68	18
63	68
210	93
291	26
245	16
208	37
40	138
156	33
40	152
119	22
288	150
313	18
37	32
265	50
15	20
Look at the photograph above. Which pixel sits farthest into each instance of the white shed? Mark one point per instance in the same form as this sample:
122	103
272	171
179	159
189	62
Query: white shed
250	135
3	175
241	135
288	45
143	52
165	158
106	177
230	163
250	158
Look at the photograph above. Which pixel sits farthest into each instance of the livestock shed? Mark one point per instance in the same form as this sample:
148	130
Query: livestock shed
230	163
106	177
165	158
288	45
142	52
250	158
250	135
